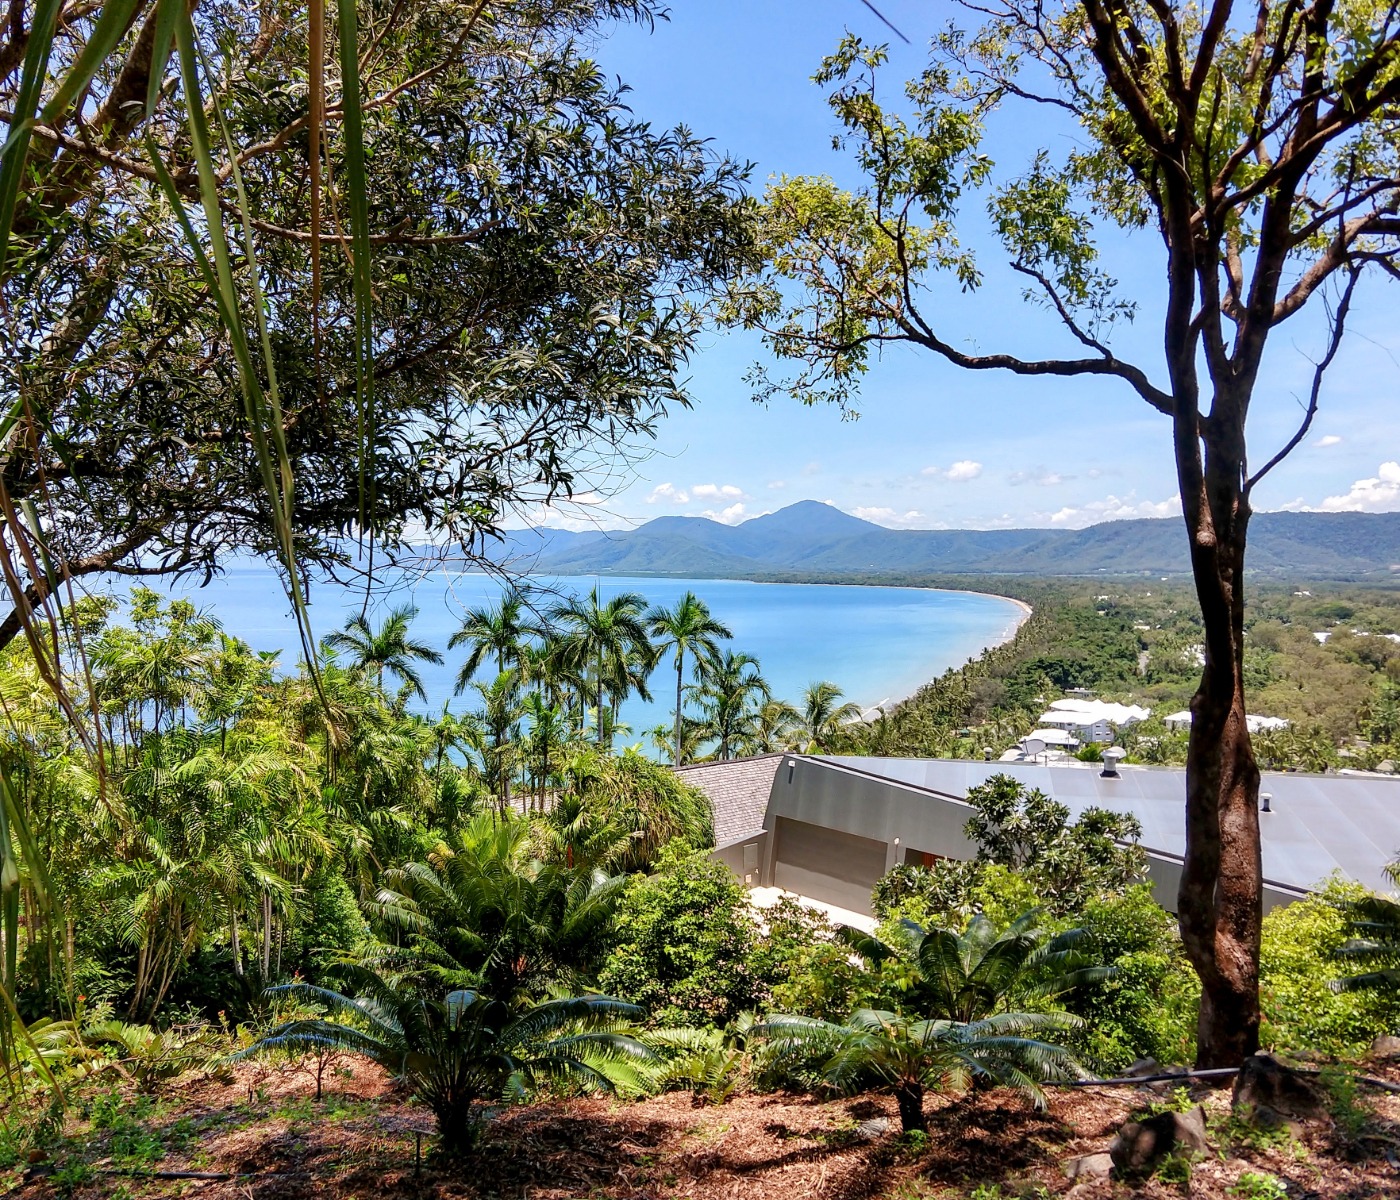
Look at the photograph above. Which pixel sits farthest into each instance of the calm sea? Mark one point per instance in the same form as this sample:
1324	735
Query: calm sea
876	643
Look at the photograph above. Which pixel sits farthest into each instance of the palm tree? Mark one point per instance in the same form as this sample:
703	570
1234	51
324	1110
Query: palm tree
822	717
548	732
462	1049
608	646
877	1049
687	628
971	975
497	722
388	648
499	631
775	726
729	694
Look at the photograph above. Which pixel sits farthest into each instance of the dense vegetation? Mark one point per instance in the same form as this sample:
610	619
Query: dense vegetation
1141	643
236	824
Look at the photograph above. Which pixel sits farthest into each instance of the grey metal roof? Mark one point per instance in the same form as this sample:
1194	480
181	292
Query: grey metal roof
1318	824
738	792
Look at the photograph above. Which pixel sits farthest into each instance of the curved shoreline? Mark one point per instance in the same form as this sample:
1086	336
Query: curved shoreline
1026	612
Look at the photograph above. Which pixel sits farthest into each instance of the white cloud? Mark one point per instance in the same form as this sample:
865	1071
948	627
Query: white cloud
1114	508
716	491
960	472
727	516
1379	494
1039	477
1330	439
667	491
812	468
892	519
776	484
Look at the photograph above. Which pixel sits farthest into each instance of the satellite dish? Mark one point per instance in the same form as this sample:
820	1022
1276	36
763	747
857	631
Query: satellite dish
1033	747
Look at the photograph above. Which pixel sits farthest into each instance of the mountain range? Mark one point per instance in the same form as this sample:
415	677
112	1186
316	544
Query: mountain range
815	539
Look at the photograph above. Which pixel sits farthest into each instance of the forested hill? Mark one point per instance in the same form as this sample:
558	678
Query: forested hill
815	538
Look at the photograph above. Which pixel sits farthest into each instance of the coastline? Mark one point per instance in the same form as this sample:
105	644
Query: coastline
869	712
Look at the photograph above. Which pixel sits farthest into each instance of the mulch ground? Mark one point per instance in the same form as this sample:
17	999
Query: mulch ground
260	1134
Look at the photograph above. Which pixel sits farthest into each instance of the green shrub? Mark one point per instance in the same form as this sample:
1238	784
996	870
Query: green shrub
799	966
1149	1005
685	942
952	893
1253	1185
1298	963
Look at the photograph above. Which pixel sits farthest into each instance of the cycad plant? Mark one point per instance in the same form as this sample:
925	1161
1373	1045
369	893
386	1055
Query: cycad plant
484	911
885	1051
982	971
1375	925
463	1050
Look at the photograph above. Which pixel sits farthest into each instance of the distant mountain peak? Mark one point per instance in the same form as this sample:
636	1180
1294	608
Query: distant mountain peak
818	539
812	515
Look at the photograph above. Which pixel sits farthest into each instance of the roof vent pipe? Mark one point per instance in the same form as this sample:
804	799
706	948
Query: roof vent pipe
1111	758
1266	801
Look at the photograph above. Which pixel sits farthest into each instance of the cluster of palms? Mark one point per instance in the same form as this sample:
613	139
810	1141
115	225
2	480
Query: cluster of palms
564	668
225	801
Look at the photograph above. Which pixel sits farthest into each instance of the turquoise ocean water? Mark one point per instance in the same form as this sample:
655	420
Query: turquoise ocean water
876	643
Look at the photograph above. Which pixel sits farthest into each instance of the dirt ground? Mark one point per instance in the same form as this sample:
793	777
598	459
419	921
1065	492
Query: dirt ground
261	1134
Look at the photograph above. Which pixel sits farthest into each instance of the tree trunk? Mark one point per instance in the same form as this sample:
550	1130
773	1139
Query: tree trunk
234	944
458	1128
680	666
910	1097
1219	901
266	937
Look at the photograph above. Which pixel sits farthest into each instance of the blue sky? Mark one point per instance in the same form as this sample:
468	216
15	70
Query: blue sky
935	447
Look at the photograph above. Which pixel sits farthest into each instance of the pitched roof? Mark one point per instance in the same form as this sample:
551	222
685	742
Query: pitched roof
738	793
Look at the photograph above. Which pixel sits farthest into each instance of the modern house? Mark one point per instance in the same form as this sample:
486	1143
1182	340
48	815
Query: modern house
828	827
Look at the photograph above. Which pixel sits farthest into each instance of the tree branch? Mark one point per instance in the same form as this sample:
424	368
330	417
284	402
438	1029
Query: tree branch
1339	319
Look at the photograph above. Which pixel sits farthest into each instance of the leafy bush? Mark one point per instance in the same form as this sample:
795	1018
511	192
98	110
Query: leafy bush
685	942
647	803
1149	1005
1299	961
952	892
1045	859
800	965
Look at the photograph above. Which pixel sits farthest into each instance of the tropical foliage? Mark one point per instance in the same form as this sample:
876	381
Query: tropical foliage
465	1048
908	1056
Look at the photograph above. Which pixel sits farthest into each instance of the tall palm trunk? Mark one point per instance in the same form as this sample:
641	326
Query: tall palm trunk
235	948
267	935
680	667
599	711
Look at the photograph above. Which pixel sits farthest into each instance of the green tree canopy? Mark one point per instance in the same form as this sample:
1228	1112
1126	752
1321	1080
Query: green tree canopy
531	238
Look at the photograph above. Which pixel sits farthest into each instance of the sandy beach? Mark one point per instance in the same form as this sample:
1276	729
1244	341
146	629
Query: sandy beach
871	712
